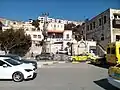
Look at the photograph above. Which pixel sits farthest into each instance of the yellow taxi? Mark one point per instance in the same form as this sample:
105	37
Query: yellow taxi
114	75
83	57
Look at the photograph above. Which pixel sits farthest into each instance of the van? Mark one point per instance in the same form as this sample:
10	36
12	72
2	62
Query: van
113	53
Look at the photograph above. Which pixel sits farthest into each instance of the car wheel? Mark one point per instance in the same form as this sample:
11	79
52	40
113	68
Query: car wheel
17	77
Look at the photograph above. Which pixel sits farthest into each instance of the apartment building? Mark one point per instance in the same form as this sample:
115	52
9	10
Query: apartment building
103	28
57	36
7	24
56	33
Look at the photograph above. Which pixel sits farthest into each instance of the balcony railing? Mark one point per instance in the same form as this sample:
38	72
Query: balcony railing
55	39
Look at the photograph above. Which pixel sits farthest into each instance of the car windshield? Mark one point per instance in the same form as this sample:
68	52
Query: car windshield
13	62
16	57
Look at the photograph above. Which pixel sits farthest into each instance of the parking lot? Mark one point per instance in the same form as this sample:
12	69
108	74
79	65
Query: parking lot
64	76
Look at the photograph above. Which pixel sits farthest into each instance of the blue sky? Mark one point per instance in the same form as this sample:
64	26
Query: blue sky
64	9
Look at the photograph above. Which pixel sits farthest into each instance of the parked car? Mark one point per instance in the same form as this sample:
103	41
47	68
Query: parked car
15	70
18	58
114	75
82	57
44	56
98	61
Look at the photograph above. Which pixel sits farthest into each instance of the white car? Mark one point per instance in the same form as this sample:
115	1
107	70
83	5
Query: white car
11	69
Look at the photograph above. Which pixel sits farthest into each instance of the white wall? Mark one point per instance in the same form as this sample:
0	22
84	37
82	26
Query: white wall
66	38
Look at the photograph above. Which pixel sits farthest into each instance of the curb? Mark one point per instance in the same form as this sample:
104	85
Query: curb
40	64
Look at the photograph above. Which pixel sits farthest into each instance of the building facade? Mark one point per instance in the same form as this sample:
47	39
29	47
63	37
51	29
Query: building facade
7	24
103	28
57	37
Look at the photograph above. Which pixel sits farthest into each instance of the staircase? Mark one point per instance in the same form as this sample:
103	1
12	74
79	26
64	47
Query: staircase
101	49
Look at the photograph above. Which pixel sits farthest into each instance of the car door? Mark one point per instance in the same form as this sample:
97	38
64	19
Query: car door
5	71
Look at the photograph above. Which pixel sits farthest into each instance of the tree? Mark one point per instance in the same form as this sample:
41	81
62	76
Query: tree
69	26
36	23
15	41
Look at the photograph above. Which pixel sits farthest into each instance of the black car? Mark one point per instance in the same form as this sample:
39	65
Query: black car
18	58
44	56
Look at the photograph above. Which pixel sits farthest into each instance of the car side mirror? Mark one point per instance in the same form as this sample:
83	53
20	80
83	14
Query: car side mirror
4	65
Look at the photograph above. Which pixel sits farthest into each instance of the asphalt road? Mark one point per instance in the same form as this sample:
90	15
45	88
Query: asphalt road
64	77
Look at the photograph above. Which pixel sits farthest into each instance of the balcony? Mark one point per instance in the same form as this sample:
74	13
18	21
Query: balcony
55	39
116	23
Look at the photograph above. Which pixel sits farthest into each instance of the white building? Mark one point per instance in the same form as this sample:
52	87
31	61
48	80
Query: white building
103	28
36	37
57	36
7	24
57	45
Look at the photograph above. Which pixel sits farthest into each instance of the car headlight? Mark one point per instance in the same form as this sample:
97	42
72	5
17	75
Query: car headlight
33	64
28	70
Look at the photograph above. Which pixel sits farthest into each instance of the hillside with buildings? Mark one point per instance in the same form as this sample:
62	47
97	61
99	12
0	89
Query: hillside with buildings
100	30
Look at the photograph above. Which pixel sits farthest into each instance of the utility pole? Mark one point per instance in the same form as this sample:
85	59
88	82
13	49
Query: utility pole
85	34
45	31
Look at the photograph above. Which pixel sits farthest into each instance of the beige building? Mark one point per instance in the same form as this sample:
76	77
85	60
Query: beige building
103	28
7	24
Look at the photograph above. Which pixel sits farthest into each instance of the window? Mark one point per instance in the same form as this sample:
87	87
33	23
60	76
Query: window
55	26
34	36
82	32
102	37
118	65
14	22
33	29
58	26
88	27
50	20
13	62
112	50
55	20
27	29
51	25
38	29
119	16
104	19
93	24
119	50
100	22
39	36
2	63
115	16
117	37
59	21
67	36
108	50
